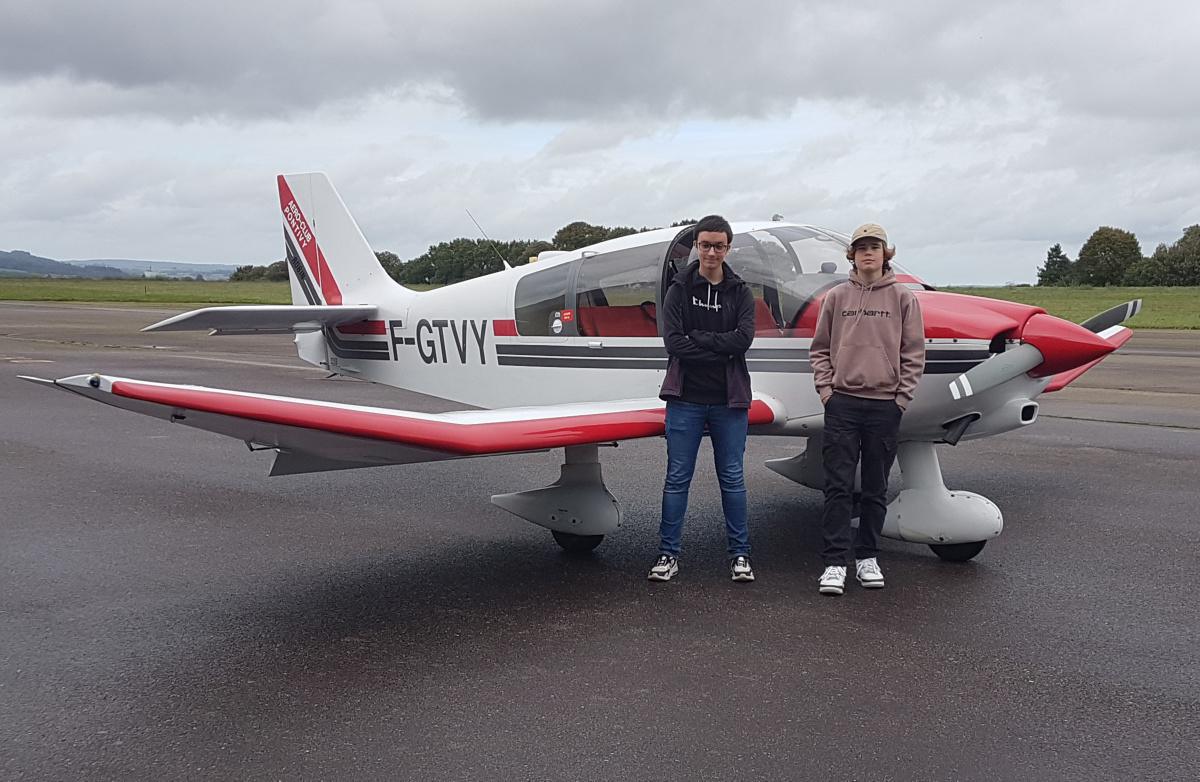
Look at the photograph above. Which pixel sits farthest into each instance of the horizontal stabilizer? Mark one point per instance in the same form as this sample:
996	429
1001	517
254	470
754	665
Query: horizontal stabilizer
265	318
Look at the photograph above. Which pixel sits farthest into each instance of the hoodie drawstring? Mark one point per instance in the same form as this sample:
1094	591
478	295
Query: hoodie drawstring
862	301
711	302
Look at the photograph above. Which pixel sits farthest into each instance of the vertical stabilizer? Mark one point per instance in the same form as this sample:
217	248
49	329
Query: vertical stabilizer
329	261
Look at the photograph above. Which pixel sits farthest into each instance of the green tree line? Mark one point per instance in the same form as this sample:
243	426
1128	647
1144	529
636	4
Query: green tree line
1112	256
276	272
462	259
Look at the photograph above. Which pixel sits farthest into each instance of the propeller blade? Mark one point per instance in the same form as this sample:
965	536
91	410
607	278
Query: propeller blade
1110	318
1049	345
998	369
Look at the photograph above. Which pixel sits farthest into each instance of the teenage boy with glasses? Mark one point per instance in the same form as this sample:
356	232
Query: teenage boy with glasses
708	325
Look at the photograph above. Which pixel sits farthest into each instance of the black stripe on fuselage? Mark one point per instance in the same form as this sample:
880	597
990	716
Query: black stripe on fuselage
370	350
801	367
633	352
797	366
616	351
560	350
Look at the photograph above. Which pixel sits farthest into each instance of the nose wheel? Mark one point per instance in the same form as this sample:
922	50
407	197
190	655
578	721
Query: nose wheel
957	552
576	544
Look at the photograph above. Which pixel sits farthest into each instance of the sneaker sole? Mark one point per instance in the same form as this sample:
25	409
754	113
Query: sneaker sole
870	584
743	577
657	577
832	590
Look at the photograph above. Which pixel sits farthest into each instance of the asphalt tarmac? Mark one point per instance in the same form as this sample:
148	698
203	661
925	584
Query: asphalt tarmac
169	612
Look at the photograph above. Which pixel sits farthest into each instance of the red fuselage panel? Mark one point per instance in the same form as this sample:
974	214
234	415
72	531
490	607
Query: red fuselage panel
958	316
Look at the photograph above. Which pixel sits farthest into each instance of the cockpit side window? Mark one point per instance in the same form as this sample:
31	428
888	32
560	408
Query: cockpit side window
539	301
615	292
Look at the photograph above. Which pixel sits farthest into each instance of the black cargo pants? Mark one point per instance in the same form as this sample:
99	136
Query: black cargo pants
857	427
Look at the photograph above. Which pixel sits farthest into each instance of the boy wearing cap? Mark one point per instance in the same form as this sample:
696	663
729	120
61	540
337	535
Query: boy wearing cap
867	356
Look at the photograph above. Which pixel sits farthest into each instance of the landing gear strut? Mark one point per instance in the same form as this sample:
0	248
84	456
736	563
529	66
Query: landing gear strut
577	508
955	524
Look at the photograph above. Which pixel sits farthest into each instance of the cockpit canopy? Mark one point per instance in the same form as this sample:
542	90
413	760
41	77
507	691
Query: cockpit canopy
616	293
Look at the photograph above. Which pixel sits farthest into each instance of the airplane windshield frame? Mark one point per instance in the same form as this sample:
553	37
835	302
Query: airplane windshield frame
788	268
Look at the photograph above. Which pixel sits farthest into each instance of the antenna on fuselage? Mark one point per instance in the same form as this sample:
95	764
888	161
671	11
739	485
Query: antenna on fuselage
507	265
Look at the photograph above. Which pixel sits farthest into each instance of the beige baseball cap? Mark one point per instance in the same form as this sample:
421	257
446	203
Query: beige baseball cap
870	231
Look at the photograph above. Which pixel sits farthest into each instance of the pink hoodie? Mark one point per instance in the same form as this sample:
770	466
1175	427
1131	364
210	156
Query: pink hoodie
869	342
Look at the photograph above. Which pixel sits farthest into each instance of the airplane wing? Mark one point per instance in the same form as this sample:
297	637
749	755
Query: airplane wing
264	318
312	436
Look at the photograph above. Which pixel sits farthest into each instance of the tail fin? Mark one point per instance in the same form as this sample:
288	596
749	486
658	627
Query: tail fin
329	261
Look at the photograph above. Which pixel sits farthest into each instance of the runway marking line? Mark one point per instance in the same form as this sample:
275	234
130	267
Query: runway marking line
1115	421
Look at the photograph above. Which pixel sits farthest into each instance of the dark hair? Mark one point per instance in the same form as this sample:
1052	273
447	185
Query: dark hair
713	224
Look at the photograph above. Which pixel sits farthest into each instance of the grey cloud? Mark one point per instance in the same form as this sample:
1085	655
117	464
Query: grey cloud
589	137
554	60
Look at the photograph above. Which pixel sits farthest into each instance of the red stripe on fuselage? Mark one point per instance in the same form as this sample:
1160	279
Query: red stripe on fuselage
444	436
363	327
308	244
504	328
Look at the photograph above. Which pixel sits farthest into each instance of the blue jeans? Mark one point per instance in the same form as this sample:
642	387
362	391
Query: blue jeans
727	430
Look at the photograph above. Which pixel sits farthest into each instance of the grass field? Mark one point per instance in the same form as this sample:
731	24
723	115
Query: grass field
1162	308
147	291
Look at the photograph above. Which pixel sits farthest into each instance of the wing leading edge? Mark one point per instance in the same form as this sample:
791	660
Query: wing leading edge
312	435
264	318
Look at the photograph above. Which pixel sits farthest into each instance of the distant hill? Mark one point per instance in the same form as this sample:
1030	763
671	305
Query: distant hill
209	271
19	263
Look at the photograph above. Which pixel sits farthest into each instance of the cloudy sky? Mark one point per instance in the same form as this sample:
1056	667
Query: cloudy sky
979	135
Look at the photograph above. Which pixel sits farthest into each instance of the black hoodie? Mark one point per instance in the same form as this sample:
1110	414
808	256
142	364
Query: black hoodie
707	330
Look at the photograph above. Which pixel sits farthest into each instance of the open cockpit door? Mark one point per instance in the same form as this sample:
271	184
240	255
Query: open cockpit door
679	255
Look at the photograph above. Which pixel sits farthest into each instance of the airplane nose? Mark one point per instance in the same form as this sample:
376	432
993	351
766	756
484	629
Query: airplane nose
1064	345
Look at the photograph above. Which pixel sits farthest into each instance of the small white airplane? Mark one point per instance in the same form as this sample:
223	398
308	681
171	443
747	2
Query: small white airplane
566	353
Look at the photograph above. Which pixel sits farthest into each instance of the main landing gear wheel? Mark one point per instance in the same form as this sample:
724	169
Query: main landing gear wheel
955	552
576	544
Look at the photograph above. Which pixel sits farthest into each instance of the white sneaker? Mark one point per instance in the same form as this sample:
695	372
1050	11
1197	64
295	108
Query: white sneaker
664	567
833	580
740	569
868	573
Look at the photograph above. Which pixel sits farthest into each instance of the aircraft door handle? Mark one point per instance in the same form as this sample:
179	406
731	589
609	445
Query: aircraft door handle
595	344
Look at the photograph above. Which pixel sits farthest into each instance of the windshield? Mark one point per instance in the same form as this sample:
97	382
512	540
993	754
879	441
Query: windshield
787	268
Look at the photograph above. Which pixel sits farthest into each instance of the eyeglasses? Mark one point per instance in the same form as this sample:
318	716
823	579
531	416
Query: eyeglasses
720	249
